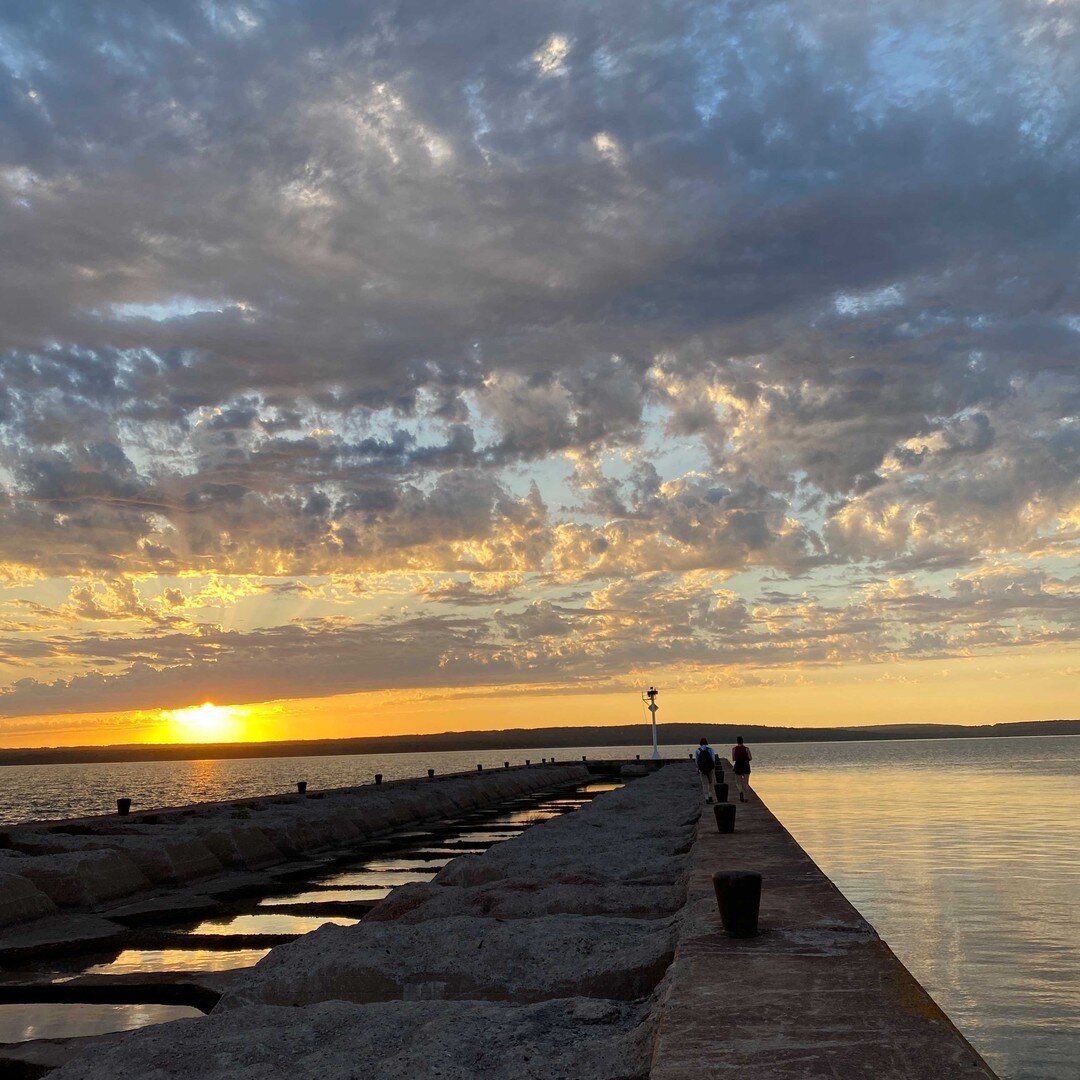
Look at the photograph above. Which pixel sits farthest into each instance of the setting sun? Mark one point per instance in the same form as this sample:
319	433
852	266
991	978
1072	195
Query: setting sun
206	723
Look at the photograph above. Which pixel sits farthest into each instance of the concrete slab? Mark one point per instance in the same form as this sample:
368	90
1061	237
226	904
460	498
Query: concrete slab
60	933
164	909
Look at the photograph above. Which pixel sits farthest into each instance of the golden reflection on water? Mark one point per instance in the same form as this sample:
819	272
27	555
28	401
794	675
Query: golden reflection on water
178	960
973	878
271	923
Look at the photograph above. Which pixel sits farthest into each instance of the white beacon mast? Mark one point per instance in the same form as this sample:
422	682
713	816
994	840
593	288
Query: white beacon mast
651	695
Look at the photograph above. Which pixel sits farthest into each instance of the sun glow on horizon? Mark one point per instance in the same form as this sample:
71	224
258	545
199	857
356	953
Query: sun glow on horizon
207	723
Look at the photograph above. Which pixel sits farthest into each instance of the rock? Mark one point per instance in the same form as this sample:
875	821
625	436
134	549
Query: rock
83	879
21	900
464	957
527	898
558	1040
246	845
173	907
170	860
57	933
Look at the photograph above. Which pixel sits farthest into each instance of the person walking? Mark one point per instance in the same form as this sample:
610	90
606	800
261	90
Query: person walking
740	760
705	758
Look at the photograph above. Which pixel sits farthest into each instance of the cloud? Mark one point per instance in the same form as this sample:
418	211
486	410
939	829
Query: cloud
573	293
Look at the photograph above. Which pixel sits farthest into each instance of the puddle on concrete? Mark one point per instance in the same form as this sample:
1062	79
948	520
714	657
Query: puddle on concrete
325	896
270	923
49	1020
375	878
131	960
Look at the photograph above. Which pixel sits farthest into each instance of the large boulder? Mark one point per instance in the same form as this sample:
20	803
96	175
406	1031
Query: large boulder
575	1039
21	900
244	846
528	898
462	957
84	878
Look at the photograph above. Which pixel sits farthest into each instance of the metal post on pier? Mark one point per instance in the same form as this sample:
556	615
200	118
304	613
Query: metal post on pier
651	695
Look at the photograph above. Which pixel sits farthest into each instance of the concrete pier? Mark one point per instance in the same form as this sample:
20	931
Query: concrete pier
816	994
589	947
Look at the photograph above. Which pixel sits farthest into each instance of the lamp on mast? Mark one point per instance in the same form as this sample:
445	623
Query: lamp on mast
651	695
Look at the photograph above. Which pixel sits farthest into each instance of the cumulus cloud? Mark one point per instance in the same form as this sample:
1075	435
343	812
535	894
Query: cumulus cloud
573	293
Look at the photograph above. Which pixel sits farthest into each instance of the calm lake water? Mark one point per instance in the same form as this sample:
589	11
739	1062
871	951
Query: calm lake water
963	853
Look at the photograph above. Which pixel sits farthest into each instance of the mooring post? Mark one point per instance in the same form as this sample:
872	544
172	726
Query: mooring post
725	816
738	896
123	806
479	767
721	792
431	774
527	761
506	764
378	778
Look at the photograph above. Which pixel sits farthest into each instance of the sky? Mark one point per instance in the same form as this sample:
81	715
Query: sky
384	367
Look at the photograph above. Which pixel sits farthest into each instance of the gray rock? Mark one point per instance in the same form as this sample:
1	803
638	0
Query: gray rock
462	957
21	900
83	879
572	1039
529	897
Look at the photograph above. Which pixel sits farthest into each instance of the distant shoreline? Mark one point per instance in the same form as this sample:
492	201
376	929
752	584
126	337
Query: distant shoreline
522	739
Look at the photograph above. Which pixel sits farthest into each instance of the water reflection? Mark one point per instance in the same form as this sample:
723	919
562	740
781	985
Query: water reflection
58	791
271	923
131	960
322	896
19	1023
375	878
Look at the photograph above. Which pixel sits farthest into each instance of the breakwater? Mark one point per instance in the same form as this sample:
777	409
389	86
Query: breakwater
589	946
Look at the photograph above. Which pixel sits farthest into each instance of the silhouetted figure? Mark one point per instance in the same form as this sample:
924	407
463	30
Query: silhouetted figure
740	761
705	758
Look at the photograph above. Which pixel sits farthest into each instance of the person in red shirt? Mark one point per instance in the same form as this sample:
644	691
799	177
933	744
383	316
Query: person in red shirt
740	760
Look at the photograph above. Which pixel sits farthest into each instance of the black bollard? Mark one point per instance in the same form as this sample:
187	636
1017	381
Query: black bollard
301	786
690	756
123	806
582	757
725	816
431	774
527	761
721	792
738	896
637	757
479	768
378	778
506	764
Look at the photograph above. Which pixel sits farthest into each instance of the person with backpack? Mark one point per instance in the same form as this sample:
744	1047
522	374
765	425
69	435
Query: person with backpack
740	761
705	758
